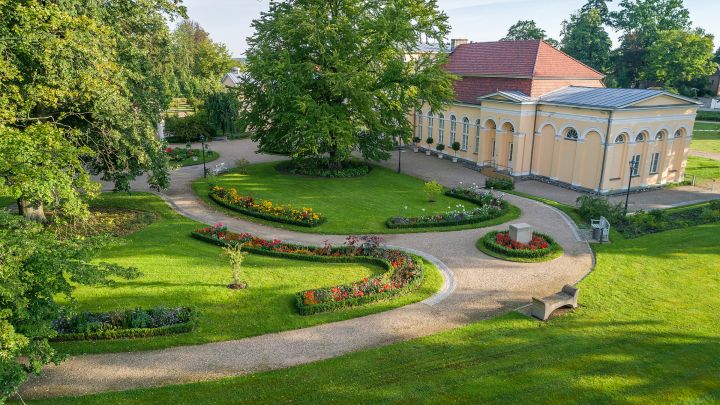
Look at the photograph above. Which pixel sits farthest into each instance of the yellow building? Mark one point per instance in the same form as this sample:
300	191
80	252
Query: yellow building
529	110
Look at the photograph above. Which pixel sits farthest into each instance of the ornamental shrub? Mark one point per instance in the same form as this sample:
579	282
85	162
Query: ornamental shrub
432	190
320	167
455	146
440	147
540	246
590	207
265	209
416	139
429	141
499	184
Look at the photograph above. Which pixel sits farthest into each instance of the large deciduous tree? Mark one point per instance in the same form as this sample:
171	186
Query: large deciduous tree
679	56
601	6
717	56
36	267
525	30
585	39
326	77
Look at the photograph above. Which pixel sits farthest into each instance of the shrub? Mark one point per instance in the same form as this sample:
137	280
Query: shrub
416	139
236	256
321	167
642	223
265	209
455	146
429	141
590	207
130	323
499	184
404	272
188	128
432	190
440	147
540	246
708	116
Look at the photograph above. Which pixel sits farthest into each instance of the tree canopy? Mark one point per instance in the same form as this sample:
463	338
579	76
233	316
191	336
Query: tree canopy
325	78
585	39
601	6
525	30
680	56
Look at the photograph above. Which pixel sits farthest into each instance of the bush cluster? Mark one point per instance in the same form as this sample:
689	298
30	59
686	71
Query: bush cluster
136	322
321	167
708	116
404	272
496	241
499	184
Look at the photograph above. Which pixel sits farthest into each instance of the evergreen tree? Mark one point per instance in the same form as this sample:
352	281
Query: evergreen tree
585	39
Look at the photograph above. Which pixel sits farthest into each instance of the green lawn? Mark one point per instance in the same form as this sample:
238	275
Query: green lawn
209	157
358	205
646	332
706	141
6	201
178	270
705	170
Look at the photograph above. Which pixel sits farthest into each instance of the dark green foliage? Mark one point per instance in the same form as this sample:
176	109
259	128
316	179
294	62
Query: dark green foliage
590	208
223	112
708	116
188	128
35	268
524	30
585	39
499	184
133	323
319	167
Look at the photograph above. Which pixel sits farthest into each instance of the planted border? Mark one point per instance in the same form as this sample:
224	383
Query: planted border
489	241
489	207
305	217
404	272
187	318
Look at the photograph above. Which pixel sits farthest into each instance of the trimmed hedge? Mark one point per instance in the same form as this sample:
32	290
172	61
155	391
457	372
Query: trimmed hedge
489	242
264	216
708	116
304	309
499	184
318	168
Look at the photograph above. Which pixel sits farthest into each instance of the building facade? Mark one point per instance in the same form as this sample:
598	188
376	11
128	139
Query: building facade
527	109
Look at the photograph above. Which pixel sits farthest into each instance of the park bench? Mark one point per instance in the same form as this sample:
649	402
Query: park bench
543	307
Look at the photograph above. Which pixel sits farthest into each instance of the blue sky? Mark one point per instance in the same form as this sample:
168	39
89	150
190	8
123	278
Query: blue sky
228	21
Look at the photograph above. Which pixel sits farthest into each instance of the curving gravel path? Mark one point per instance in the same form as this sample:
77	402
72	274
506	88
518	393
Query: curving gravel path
476	287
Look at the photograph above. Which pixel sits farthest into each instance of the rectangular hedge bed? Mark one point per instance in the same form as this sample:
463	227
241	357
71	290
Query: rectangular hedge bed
265	209
404	272
489	207
133	323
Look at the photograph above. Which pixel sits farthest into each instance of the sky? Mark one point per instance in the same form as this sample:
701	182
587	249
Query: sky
229	21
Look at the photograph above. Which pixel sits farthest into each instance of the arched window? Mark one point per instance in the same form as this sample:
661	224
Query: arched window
431	118
477	136
640	137
465	132
659	136
441	127
620	139
453	129
571	134
678	133
420	125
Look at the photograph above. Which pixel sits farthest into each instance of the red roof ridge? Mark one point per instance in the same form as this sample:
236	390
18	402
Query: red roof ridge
565	54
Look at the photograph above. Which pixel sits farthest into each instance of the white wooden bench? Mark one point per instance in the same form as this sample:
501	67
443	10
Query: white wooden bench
543	307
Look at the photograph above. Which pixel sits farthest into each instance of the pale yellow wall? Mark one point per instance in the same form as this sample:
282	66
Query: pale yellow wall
574	162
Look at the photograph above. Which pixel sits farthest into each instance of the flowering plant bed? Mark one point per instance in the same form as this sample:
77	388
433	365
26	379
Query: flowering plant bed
132	323
264	209
489	207
499	244
189	157
404	272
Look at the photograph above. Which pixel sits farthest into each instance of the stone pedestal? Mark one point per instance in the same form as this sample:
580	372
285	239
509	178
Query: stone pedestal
521	232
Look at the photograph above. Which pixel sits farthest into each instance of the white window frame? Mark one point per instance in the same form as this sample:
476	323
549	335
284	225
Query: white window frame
636	166
654	162
420	126
465	133
441	128
431	118
477	136
453	129
620	138
572	135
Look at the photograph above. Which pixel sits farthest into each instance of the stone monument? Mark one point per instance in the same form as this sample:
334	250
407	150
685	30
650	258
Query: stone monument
521	232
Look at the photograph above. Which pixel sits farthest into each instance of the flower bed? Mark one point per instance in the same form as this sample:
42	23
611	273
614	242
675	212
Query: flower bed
489	207
540	246
404	272
264	209
133	323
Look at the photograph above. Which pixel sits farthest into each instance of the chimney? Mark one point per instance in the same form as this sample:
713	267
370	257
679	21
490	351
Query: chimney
454	43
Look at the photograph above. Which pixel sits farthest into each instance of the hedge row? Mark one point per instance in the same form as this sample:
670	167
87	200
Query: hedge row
471	220
332	306
489	242
266	217
129	333
319	168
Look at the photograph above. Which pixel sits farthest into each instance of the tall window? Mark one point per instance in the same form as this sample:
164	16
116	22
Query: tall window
654	160
571	134
441	128
466	130
431	118
492	151
636	166
477	136
419	125
511	152
453	129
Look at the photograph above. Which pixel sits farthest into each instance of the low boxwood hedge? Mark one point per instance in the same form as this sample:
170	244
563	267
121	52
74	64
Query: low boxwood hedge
489	242
320	168
264	216
305	309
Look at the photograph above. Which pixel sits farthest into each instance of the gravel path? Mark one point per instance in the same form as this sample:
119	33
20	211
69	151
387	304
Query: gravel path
704	154
476	287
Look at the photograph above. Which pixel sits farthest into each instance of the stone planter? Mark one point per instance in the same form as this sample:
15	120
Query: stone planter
454	160
440	156
416	149
427	153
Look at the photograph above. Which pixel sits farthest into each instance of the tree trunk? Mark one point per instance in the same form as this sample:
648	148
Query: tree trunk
34	212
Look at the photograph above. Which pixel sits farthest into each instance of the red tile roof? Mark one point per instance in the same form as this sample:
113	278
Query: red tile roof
517	59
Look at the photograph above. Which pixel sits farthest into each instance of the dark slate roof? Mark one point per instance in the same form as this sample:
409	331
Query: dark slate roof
532	58
604	97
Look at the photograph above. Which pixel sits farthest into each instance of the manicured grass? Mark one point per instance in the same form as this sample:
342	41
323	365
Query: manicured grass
181	271
359	205
551	256
705	170
209	157
6	201
706	141
646	332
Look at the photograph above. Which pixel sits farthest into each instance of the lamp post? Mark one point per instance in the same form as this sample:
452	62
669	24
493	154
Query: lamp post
399	152
202	144
633	164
